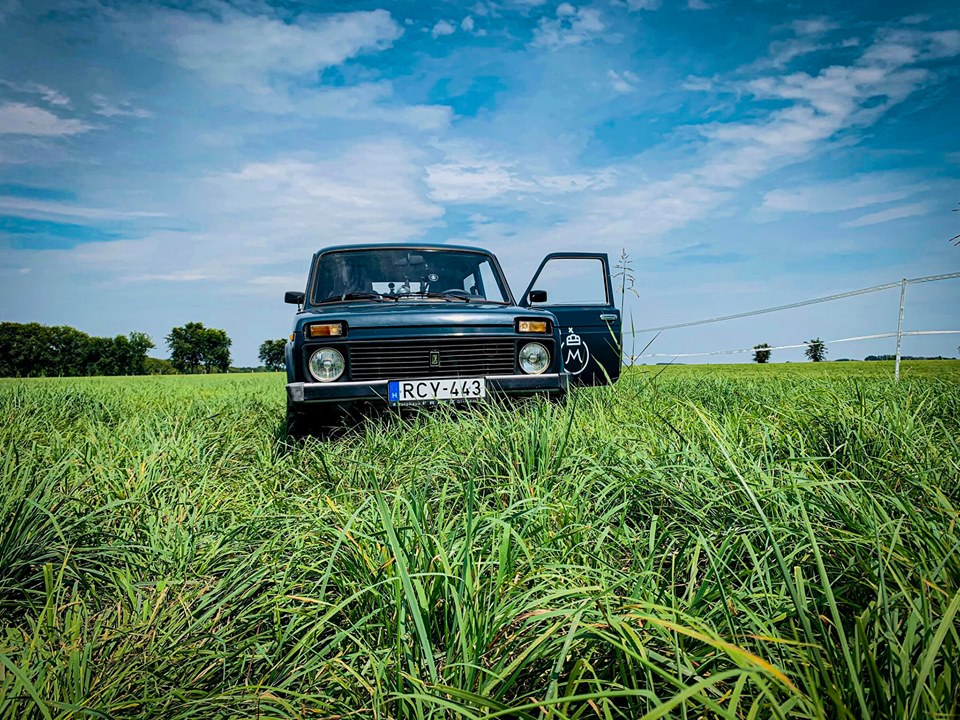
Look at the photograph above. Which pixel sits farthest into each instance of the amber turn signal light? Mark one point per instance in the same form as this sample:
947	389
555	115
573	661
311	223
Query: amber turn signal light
532	326
320	330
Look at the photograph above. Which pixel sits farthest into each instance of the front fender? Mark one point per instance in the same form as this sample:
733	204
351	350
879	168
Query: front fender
289	361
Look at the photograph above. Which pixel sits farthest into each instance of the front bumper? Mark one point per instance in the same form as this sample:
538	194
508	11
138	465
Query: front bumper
301	392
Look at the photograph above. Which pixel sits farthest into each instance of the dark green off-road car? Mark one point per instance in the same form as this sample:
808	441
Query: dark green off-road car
398	325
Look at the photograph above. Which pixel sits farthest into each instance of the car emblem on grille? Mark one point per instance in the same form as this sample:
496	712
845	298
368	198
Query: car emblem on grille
434	358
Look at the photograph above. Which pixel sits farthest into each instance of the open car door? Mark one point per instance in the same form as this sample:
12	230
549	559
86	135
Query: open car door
576	288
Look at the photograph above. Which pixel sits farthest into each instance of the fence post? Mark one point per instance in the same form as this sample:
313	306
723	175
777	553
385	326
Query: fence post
896	367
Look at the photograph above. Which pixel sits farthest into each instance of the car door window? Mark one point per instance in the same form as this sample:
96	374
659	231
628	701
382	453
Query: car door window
573	281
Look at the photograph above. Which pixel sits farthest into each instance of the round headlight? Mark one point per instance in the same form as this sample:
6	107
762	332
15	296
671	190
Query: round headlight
326	364
534	358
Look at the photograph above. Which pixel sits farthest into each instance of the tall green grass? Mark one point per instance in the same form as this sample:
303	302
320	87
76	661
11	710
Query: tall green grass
693	542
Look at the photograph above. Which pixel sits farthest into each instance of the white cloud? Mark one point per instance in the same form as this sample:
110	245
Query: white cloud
897	213
368	101
634	5
53	97
571	26
465	178
473	180
48	94
697	84
275	281
27	207
20	119
808	37
267	214
270	66
106	108
261	220
837	196
817	109
813	26
623	83
902	46
783	52
945	43
253	52
469	25
184	276
443	27
839	94
369	193
697	5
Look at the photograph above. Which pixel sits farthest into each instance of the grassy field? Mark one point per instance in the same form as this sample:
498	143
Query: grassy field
740	541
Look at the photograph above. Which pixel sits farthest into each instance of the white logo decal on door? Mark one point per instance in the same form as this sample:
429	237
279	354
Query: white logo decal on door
575	352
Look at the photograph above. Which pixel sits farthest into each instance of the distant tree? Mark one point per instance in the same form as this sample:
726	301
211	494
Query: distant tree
138	344
158	366
25	350
272	354
816	350
122	355
186	347
760	354
104	356
35	350
216	355
193	346
66	351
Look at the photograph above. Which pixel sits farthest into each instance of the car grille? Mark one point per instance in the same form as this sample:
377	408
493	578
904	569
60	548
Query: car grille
459	357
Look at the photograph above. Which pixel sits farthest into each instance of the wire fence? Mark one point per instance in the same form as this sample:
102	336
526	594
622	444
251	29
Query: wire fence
899	334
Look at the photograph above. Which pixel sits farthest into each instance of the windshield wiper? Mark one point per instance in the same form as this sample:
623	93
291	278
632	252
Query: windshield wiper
376	297
445	295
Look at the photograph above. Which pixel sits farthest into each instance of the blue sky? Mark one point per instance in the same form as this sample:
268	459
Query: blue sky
168	162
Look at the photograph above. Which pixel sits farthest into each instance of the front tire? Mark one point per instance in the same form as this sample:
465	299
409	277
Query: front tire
317	420
298	423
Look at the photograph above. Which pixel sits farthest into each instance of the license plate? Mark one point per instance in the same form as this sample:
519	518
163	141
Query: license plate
425	392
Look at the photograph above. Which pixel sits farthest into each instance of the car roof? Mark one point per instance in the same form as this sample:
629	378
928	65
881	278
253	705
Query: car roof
401	246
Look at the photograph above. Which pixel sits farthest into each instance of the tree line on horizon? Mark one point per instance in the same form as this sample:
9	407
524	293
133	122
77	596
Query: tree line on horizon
35	350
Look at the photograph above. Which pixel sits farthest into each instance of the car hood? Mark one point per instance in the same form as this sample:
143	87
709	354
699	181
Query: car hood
417	314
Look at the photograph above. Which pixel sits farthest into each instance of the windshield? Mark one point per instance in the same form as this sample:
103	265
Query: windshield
382	275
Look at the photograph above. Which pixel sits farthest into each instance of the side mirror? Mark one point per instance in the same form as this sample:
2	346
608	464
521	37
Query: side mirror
538	296
293	297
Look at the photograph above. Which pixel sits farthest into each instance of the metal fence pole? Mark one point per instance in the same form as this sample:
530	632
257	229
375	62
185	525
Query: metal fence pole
896	367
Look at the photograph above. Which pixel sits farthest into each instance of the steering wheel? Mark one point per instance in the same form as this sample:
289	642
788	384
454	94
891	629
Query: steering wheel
459	292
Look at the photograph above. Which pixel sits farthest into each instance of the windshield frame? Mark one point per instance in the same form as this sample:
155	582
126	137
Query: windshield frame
316	302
